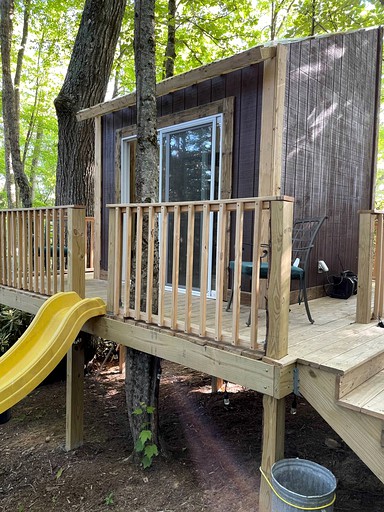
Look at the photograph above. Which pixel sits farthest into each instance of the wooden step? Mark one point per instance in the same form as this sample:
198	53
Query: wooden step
355	376
368	398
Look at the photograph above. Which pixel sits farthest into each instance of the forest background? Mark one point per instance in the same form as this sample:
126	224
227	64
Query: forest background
189	33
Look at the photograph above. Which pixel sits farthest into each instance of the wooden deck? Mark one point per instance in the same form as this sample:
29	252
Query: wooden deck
335	342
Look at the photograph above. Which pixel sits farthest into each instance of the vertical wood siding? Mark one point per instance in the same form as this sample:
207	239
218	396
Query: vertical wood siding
328	143
246	86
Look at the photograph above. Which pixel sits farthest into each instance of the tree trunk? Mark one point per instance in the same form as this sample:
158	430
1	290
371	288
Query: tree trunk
85	84
170	51
142	370
10	101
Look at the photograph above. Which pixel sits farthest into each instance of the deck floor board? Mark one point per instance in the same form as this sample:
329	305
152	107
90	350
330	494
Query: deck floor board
334	342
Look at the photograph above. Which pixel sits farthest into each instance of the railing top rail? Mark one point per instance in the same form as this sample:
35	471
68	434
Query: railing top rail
373	211
217	202
43	208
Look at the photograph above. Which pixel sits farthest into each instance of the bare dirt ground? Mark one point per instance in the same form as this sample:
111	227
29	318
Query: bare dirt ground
212	461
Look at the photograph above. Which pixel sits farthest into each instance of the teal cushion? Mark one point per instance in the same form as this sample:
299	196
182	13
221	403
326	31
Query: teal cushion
246	269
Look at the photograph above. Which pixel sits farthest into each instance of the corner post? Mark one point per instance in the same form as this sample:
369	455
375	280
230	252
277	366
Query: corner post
279	278
365	267
111	259
277	339
75	355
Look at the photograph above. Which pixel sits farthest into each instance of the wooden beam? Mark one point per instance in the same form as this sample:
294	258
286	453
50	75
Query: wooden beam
280	279
273	444
272	119
75	355
230	365
365	266
75	397
195	76
97	197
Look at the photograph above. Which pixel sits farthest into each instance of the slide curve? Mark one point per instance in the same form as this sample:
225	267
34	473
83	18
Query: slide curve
46	341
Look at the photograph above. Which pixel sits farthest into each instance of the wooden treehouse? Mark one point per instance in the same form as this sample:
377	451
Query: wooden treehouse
247	145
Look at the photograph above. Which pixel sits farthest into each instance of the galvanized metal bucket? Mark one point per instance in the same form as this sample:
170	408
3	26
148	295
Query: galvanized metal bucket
300	484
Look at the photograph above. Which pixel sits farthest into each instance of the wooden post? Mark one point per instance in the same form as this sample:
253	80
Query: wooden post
277	339
113	212
273	444
378	303
365	266
97	198
75	355
272	124
279	279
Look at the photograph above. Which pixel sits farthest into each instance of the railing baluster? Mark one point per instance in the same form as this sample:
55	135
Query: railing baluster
139	254
220	271
42	251
48	250
175	265
20	250
204	270
118	261
150	260
24	220
9	247
255	274
14	249
162	262
128	260
237	272
189	269
56	248
63	215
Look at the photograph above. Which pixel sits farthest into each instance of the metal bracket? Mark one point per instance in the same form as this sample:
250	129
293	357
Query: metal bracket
296	381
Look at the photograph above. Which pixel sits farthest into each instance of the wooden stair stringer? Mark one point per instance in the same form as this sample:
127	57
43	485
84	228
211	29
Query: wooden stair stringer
362	433
356	376
368	397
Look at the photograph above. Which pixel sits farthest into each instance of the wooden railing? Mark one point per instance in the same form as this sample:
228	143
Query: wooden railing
90	243
37	248
370	265
175	238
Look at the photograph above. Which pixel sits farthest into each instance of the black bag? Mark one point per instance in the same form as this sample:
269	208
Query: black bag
344	285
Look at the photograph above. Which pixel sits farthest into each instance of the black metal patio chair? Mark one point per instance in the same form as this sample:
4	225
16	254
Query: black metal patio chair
304	233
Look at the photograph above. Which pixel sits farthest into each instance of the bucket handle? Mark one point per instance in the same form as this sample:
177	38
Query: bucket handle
291	504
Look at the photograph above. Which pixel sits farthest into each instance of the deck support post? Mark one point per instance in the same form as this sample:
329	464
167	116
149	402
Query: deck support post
75	355
279	279
273	444
365	267
277	339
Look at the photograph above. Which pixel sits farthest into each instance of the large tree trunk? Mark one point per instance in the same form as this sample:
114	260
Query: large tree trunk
85	84
10	96
142	370
170	51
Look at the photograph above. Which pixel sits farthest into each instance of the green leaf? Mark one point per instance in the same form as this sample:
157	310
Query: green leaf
145	435
146	462
138	411
139	446
150	409
151	451
59	473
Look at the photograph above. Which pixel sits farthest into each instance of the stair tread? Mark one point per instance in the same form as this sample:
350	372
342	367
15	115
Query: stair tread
368	397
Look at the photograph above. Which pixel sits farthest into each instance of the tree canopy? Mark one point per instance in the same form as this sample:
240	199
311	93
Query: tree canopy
188	34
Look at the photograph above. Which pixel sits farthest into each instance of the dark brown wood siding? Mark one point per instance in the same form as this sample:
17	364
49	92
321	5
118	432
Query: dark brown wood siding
329	138
246	87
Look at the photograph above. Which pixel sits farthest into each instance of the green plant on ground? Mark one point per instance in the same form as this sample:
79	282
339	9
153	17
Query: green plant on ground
109	499
144	445
13	323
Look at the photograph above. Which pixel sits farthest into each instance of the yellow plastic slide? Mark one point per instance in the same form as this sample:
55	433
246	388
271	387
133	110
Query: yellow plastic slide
46	341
